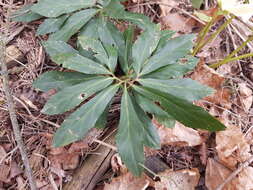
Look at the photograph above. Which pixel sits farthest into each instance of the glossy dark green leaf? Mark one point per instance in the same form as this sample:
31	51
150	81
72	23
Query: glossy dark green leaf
186	88
144	47
90	29
174	49
129	38
117	11
25	15
51	25
73	24
181	110
49	8
130	136
79	63
164	37
174	70
59	80
109	34
72	96
54	48
159	114
197	3
78	123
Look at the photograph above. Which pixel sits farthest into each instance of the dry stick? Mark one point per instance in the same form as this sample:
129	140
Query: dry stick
235	173
11	107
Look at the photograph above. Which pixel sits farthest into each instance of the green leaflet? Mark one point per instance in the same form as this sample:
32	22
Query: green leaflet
115	10
73	24
90	29
174	70
49	8
164	37
186	89
79	63
72	96
150	107
144	47
59	80
51	25
84	118
110	35
181	110
25	15
134	131
174	49
129	38
54	48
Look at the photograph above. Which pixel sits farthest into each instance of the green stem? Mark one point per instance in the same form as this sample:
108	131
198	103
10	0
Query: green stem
215	34
231	59
225	60
203	34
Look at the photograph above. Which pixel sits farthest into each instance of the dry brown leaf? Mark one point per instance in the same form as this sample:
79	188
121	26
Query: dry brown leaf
128	182
2	153
232	147
246	97
178	135
244	180
209	77
215	175
177	180
5	170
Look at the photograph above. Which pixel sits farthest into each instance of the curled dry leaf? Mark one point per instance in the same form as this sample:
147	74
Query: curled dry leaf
128	182
246	97
179	135
177	180
232	147
209	77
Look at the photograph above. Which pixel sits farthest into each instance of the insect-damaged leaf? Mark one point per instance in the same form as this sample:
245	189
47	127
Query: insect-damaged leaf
181	110
49	8
59	80
72	96
78	123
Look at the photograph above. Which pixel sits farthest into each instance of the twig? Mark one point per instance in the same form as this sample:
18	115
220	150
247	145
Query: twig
11	107
235	173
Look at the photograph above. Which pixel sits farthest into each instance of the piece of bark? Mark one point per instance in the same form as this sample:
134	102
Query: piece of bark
94	167
13	55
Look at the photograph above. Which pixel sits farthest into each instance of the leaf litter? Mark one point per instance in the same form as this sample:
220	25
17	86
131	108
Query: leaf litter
229	149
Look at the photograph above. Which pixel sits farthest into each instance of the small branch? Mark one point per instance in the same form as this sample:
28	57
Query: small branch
11	107
235	173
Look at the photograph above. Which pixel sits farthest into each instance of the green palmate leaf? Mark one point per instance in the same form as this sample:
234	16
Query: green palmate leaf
51	25
109	34
130	136
59	80
144	47
49	8
174	70
150	107
54	48
73	24
197	3
173	50
78	123
25	15
79	63
181	110
115	10
187	89
72	96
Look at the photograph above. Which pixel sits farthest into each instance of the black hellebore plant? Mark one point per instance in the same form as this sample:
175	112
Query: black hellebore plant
148	76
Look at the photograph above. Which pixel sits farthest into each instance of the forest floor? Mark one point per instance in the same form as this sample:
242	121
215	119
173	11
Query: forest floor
190	159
